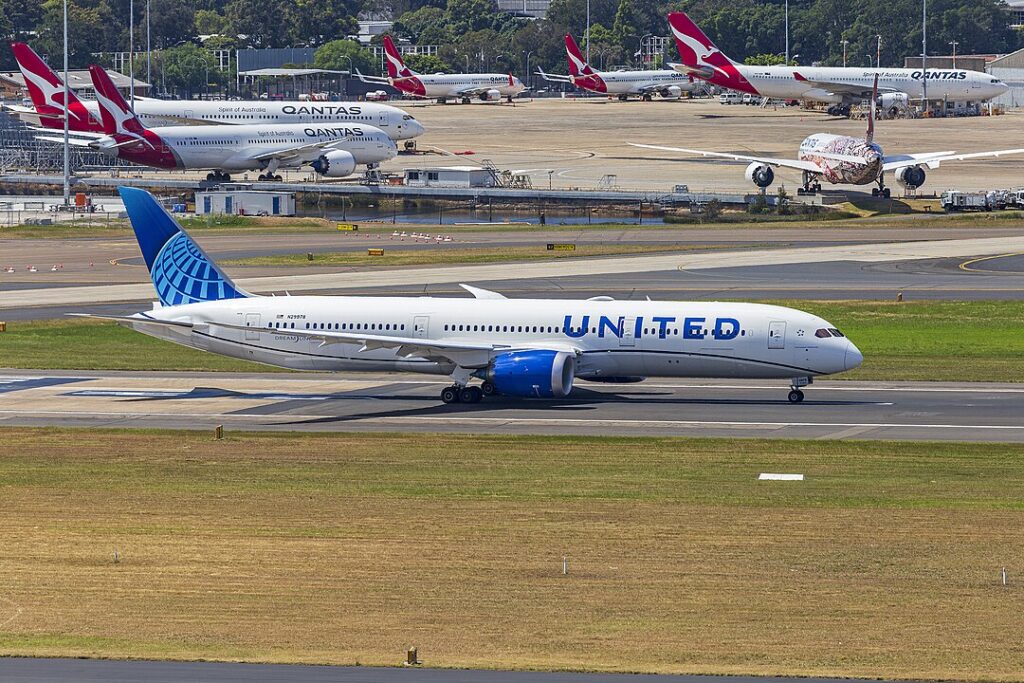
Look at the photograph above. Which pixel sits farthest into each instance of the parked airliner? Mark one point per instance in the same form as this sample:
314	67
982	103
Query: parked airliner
442	87
516	347
668	83
842	159
839	85
46	90
332	150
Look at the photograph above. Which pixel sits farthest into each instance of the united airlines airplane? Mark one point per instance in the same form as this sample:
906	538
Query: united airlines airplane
516	347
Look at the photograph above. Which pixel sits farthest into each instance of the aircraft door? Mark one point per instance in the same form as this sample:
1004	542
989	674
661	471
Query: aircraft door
777	334
420	326
628	336
252	320
382	121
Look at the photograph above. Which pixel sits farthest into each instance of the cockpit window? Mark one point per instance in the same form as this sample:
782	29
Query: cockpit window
406	117
822	333
835	332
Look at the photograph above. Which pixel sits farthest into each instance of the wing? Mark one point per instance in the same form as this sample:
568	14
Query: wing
73	141
475	90
771	161
933	159
852	89
299	152
554	78
704	72
377	80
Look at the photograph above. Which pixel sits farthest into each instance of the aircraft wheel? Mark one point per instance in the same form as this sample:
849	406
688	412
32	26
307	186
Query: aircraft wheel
450	394
465	100
887	193
471	395
874	191
796	396
210	176
489	389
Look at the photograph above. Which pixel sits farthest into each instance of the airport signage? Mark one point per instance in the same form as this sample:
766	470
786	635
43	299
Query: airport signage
348	227
561	247
372	251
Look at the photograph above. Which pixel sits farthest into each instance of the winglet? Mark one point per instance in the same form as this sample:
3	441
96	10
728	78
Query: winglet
798	76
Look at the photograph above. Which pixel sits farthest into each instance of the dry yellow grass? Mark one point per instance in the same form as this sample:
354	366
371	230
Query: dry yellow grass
350	548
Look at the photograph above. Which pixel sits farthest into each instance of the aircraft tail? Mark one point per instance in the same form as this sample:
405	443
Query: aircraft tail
181	271
46	90
395	64
115	113
870	136
577	64
694	46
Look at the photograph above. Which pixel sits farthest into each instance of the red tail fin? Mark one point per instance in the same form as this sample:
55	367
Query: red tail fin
577	64
393	58
46	90
116	114
698	52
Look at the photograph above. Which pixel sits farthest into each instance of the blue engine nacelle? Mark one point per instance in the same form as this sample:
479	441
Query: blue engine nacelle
539	373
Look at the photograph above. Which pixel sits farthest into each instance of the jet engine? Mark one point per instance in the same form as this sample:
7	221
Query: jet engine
672	92
894	99
377	96
761	175
336	163
538	373
911	177
491	95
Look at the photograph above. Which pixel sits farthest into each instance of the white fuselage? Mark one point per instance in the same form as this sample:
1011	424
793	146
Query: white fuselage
454	85
398	124
816	148
639	82
953	85
245	147
610	338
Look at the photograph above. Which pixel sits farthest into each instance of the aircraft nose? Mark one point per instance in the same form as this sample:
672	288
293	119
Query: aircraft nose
853	356
416	128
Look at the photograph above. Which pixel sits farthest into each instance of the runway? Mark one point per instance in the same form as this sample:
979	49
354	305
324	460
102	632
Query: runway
87	671
833	410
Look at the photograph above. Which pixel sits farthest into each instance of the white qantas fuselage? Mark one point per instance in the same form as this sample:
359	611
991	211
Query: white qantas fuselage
248	147
668	83
953	85
610	339
436	86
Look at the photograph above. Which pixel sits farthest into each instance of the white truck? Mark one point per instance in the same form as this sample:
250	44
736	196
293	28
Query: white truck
954	200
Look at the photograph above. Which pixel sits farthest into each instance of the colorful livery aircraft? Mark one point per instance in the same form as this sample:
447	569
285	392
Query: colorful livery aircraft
667	83
838	85
46	90
516	347
334	151
841	159
442	87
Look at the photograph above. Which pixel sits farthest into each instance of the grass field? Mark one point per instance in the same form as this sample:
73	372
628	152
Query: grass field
115	227
446	255
938	341
351	548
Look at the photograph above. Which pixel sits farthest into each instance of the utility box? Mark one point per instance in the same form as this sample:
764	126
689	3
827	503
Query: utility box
245	203
449	176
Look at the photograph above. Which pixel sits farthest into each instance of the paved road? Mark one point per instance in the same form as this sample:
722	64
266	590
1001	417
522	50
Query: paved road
97	671
833	410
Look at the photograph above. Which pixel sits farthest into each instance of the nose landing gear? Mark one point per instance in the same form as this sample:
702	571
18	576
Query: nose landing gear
795	394
881	190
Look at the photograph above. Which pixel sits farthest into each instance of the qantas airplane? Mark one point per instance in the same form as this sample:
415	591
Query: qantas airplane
442	87
333	151
838	85
841	159
668	83
516	347
46	90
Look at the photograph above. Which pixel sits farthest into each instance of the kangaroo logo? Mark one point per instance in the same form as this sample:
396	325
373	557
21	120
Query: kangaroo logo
53	93
696	47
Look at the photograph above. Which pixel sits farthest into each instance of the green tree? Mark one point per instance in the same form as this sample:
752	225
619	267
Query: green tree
463	16
427	64
187	68
170	22
208	22
765	59
264	23
604	49
625	28
572	14
89	31
412	25
315	22
336	56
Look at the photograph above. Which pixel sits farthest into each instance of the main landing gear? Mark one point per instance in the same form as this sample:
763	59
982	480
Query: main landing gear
265	177
812	184
466	394
881	190
218	177
795	395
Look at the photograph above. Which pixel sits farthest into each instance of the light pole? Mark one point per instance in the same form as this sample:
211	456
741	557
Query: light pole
149	52
587	32
871	58
924	54
529	77
131	53
845	43
878	53
67	96
787	31
954	43
645	37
